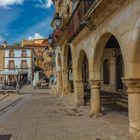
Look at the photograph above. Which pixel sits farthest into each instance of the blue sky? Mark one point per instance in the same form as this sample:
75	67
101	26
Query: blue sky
25	19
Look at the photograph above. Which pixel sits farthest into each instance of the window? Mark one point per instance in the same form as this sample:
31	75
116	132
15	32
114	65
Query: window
11	53
24	53
106	77
24	64
11	64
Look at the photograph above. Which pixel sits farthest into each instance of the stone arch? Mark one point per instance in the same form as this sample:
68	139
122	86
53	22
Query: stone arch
131	44
108	46
135	61
80	59
98	53
132	79
65	56
82	89
67	49
67	82
59	74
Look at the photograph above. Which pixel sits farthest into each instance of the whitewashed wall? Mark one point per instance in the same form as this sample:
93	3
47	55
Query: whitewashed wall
18	59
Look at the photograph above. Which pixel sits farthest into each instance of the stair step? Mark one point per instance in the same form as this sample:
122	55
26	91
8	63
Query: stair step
107	102
122	99
123	104
108	98
126	102
114	100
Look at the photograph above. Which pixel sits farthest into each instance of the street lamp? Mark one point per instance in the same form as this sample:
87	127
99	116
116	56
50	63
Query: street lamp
47	49
50	39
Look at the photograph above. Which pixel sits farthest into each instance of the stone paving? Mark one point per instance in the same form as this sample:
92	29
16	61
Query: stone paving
29	89
3	96
48	117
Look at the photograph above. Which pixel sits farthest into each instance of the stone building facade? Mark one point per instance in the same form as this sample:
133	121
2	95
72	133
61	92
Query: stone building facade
2	52
100	42
41	48
16	63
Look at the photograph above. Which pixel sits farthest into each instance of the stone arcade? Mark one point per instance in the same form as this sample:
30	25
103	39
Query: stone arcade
107	35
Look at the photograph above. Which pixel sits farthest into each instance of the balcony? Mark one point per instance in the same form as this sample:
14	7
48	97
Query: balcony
91	13
60	34
74	26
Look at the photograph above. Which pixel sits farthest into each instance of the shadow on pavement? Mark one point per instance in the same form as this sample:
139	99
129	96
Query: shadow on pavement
5	137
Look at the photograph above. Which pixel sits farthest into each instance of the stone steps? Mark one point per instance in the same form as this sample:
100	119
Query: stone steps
123	100
112	99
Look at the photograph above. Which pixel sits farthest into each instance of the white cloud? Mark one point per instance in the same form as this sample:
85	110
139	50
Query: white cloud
40	27
5	3
35	36
48	3
1	40
44	3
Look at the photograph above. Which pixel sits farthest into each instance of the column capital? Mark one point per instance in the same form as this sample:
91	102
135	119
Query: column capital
133	84
95	83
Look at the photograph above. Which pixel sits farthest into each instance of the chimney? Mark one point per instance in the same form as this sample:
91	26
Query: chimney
5	44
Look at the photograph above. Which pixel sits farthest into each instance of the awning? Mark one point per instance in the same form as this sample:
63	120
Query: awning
9	72
12	72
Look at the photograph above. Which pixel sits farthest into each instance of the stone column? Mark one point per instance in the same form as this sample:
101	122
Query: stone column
65	83
133	90
59	82
78	93
95	98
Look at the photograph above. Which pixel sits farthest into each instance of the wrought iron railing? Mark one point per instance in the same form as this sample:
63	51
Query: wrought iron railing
74	24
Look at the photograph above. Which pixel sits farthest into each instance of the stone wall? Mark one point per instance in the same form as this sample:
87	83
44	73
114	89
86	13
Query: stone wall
2	55
124	25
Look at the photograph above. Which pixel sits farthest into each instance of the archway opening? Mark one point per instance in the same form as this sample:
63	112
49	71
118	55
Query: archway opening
83	76
70	71
85	79
113	92
59	74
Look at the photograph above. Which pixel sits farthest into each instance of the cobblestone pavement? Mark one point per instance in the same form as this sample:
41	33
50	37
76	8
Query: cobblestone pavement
3	96
29	89
48	117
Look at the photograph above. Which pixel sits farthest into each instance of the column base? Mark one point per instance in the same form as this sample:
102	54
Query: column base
95	115
59	92
65	92
133	129
79	103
